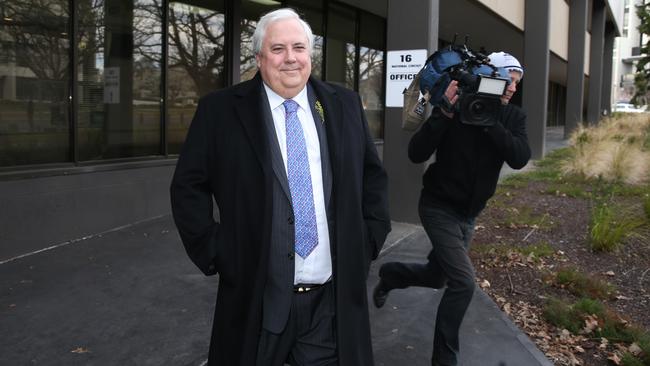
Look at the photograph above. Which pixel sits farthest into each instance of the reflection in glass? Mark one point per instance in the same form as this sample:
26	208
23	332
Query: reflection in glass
247	64
119	62
118	85
34	81
312	12
317	57
371	71
350	57
251	13
371	77
341	51
196	62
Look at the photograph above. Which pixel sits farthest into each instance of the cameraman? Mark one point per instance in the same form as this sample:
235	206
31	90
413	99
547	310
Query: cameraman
456	188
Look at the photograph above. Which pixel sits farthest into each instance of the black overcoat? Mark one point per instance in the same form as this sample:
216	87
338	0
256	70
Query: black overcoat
226	156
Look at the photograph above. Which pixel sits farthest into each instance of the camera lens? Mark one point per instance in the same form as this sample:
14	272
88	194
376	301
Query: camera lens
477	108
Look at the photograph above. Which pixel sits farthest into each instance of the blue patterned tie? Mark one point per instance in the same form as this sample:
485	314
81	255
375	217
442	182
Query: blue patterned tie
300	186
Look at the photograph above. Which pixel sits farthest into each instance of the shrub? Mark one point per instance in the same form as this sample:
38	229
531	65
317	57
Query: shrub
572	316
642	339
629	360
615	150
583	285
562	316
608	227
587	306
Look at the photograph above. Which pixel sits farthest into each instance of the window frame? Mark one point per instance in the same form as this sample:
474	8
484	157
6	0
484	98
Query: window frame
232	14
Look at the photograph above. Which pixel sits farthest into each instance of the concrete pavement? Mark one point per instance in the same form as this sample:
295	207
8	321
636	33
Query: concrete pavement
131	297
402	330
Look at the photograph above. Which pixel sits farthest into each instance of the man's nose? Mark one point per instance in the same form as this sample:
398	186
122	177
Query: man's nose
291	56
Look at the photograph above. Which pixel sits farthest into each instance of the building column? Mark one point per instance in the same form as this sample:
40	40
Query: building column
233	42
536	61
606	99
596	62
576	65
411	24
119	125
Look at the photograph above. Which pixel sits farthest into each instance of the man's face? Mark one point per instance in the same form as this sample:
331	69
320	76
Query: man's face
284	60
515	77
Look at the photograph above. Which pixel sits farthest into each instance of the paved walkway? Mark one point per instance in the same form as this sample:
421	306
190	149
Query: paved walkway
131	297
403	329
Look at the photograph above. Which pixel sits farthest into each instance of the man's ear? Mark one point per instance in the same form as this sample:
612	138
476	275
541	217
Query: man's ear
257	60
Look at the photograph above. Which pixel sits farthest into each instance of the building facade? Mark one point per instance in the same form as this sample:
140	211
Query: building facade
96	95
91	81
627	52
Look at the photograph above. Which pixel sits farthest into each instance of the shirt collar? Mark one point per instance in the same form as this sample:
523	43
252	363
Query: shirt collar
276	101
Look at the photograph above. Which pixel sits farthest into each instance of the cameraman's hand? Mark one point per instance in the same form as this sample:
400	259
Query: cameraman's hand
449	99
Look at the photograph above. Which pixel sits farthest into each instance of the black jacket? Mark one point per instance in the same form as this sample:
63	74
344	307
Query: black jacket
227	156
468	158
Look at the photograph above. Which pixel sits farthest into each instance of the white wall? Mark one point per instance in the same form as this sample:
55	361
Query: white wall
512	11
587	51
623	51
616	10
559	37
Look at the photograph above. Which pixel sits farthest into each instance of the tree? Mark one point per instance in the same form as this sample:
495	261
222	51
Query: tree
197	45
37	33
196	41
642	76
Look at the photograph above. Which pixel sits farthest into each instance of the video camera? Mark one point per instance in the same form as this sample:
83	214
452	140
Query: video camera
480	84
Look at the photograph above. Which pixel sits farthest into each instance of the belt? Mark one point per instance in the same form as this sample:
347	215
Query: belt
302	288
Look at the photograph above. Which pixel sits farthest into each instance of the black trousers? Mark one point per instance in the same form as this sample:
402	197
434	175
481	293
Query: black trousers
309	339
448	262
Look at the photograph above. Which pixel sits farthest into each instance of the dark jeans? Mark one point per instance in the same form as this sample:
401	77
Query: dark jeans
448	262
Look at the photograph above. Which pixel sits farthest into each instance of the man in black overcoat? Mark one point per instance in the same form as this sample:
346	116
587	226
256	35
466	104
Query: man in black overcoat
302	209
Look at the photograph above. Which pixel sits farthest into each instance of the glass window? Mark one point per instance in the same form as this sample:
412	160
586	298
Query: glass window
312	13
34	82
251	12
118	83
371	71
317	57
341	50
196	61
119	63
556	106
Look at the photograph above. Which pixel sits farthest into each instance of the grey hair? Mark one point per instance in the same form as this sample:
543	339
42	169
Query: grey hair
274	16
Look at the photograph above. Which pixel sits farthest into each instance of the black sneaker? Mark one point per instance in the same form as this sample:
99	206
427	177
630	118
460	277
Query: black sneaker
380	293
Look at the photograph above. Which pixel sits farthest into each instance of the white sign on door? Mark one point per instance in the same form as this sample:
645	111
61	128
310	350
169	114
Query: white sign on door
401	69
112	85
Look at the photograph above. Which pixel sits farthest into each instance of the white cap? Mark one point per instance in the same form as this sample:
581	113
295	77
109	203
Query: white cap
507	61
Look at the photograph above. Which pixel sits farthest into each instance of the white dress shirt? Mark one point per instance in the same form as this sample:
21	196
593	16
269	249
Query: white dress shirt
317	267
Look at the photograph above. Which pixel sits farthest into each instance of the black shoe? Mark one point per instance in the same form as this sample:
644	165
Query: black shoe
380	294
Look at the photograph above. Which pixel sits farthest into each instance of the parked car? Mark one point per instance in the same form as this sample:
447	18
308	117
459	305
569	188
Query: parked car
628	108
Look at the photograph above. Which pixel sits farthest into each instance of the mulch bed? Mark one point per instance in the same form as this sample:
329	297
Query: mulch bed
523	215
